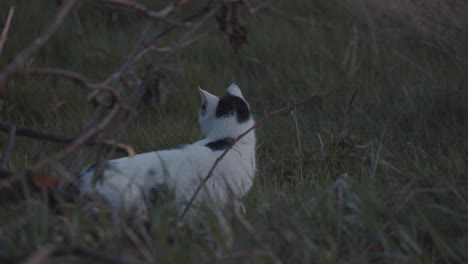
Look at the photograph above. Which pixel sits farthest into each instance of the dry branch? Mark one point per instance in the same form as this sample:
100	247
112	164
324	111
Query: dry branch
64	152
4	35
143	46
257	125
182	45
59	138
77	142
184	38
45	253
20	59
40	256
8	146
79	79
162	15
114	82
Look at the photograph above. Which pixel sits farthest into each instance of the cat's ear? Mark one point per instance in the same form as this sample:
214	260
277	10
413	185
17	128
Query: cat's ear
233	89
205	96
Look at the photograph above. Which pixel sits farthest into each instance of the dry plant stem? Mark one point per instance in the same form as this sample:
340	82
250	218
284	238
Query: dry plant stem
254	253
184	38
40	256
18	63
77	142
182	45
4	35
43	254
76	77
144	250
162	15
416	191
257	125
8	146
125	65
251	230
64	152
141	48
458	58
54	137
253	10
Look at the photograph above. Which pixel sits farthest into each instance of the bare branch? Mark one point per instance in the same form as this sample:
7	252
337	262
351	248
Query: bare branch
8	146
253	10
162	15
89	137
59	138
40	256
182	45
174	5
141	47
77	142
184	38
44	253
66	151
78	78
257	125
20	59
451	54
4	35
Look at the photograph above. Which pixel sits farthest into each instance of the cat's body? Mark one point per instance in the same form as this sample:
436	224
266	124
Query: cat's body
130	182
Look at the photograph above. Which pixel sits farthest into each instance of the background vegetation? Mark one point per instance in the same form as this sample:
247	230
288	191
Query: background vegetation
376	173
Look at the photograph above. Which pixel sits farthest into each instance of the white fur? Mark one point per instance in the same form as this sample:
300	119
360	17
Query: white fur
126	181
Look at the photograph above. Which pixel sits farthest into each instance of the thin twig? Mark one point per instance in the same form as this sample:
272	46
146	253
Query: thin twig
76	77
257	125
250	254
162	15
77	142
184	38
253	10
43	254
59	138
251	230
139	244
40	256
20	59
141	47
8	146
182	45
4	35
455	56
64	152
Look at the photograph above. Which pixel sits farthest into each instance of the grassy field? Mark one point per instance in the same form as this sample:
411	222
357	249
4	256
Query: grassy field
376	173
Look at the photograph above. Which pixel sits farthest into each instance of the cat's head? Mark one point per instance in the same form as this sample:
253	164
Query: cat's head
212	108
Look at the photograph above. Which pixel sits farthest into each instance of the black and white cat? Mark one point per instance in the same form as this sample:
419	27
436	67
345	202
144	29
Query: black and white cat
128	182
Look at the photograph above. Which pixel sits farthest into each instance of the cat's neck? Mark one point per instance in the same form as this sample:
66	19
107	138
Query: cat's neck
230	128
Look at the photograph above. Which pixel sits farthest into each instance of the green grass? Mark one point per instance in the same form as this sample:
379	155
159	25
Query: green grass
402	141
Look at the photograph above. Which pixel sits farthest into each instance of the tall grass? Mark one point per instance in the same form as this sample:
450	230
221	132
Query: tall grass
374	174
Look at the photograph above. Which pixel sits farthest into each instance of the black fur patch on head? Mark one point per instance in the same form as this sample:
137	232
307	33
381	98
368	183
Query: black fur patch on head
220	144
229	105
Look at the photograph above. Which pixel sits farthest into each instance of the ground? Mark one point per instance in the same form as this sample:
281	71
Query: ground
375	173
